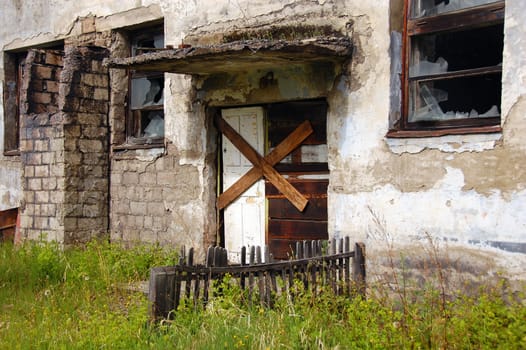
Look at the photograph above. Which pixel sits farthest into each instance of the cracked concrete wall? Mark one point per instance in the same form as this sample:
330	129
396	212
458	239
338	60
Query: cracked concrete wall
463	189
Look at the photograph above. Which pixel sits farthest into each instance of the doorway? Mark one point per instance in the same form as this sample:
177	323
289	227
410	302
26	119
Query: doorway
262	214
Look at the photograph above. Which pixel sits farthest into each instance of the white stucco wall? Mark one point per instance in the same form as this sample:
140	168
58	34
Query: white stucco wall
459	188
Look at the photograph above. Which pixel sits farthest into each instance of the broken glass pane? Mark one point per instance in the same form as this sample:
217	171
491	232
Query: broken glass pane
423	8
147	91
424	67
154	122
457	98
454	51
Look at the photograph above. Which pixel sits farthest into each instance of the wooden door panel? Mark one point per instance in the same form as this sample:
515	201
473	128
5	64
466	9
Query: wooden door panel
280	208
244	222
310	188
300	229
306	169
8	224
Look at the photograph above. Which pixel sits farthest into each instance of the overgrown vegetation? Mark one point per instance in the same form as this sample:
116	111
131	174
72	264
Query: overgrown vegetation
51	299
290	32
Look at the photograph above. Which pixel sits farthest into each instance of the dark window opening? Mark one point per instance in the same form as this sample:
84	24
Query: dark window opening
14	70
145	123
458	50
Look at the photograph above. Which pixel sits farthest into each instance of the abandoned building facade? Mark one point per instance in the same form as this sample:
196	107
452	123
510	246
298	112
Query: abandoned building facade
243	122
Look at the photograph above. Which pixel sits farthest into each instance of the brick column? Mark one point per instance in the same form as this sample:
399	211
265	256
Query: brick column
64	145
84	94
41	146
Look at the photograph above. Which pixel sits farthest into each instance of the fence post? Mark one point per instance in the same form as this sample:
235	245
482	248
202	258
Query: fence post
358	268
159	293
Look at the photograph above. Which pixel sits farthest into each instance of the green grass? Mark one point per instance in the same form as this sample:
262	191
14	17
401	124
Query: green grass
51	299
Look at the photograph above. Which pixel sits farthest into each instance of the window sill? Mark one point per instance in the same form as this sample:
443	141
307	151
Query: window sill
15	152
402	134
140	144
448	143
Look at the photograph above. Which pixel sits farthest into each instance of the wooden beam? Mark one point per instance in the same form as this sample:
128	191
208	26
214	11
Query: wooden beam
292	141
259	162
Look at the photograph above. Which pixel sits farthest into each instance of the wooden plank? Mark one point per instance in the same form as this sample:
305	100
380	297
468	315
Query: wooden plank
458	74
209	256
284	249
177	293
252	261
8	218
341	268
347	272
281	151
268	171
242	275
157	294
308	187
416	133
279	208
302	168
297	229
310	270
457	20
359	276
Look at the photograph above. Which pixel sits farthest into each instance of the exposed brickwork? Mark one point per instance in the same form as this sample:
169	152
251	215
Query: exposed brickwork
153	198
86	143
64	145
40	139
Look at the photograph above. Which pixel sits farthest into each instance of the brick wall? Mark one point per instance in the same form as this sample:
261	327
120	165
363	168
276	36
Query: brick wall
41	146
84	105
64	143
156	199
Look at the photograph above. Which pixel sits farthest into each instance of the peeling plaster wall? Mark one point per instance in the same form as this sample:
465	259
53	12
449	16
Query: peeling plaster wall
10	186
468	191
38	23
462	189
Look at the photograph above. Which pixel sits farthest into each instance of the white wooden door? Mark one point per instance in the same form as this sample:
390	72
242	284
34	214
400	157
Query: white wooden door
244	219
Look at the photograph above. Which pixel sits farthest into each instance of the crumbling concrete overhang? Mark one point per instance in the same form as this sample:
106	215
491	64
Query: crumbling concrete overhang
244	55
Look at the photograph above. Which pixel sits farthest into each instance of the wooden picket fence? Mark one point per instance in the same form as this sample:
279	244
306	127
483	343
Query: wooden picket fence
315	265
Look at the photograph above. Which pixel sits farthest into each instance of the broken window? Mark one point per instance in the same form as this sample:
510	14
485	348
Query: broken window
453	65
146	106
14	68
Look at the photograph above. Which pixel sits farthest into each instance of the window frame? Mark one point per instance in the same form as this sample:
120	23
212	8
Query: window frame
133	114
448	22
14	68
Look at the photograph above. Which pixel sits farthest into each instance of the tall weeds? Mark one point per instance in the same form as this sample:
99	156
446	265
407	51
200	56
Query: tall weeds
55	299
